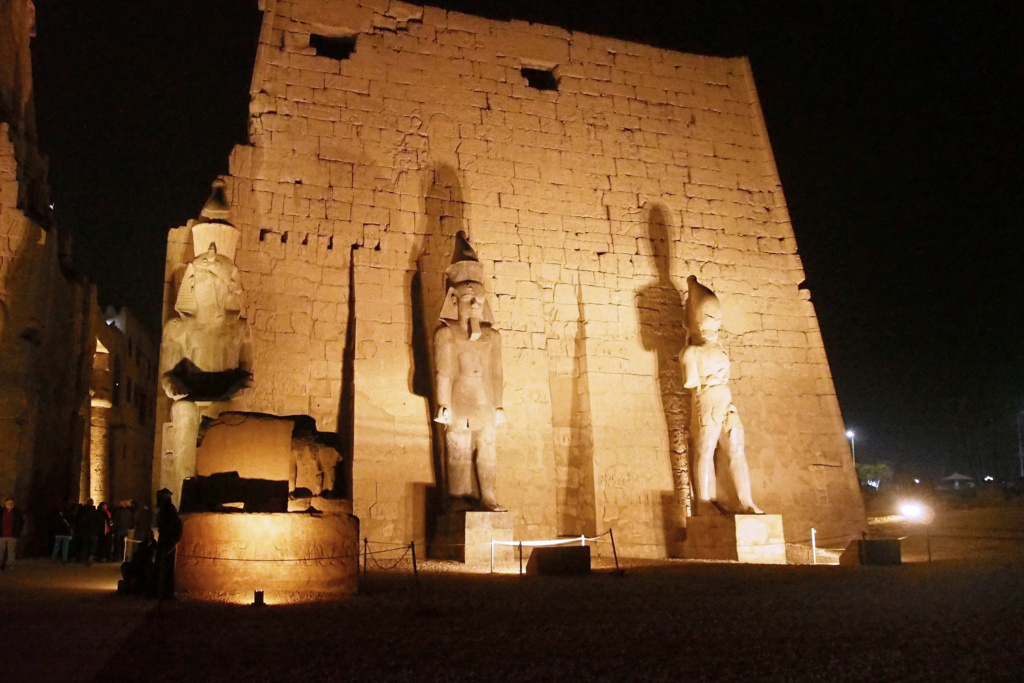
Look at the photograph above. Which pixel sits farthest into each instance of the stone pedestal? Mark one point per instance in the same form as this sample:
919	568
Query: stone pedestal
466	537
744	538
875	551
288	555
564	560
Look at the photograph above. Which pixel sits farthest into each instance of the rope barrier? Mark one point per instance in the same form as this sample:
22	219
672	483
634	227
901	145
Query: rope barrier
581	539
275	559
411	548
394	564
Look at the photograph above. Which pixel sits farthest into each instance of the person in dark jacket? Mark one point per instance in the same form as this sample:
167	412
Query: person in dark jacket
139	573
86	532
105	533
168	527
11	524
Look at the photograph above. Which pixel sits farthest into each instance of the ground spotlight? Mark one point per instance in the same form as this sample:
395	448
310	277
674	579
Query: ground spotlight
915	511
912	510
257	598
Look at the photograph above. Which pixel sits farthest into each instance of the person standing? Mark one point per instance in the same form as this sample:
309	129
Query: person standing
60	527
169	528
11	524
86	531
104	530
124	524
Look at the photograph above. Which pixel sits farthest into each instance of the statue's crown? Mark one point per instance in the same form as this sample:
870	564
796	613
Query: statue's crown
700	302
215	226
465	267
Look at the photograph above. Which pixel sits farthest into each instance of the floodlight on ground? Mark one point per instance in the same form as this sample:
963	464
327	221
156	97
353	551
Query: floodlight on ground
915	511
911	510
257	598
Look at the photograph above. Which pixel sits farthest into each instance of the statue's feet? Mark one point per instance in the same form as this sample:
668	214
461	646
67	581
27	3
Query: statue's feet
462	503
492	506
750	509
707	508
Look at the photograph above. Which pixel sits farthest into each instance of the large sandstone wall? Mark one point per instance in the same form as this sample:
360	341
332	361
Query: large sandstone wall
43	341
588	205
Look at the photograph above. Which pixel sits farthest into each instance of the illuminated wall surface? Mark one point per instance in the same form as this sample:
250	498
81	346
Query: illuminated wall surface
377	130
43	310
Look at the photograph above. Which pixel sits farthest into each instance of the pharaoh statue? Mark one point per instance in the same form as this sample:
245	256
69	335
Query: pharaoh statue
715	423
205	352
468	383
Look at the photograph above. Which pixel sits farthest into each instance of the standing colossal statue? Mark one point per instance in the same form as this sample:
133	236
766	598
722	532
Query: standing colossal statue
715	422
468	383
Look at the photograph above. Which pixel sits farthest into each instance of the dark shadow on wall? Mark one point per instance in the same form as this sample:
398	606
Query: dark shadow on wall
660	310
581	445
347	406
443	210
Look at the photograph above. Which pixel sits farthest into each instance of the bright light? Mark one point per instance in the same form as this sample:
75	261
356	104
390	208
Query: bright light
849	433
917	481
912	510
989	478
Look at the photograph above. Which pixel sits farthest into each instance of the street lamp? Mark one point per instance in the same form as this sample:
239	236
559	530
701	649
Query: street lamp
853	445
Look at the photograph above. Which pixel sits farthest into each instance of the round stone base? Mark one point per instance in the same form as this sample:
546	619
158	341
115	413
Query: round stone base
287	555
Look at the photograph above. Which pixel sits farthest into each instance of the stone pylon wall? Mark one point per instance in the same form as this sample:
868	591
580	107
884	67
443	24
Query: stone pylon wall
588	206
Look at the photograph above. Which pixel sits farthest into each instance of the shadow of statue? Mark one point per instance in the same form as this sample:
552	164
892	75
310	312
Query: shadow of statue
660	310
443	208
578	513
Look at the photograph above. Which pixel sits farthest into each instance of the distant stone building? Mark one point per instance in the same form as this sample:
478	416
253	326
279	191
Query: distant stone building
51	328
121	409
592	175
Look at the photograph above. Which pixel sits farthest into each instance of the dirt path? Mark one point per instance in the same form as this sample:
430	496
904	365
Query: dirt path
63	622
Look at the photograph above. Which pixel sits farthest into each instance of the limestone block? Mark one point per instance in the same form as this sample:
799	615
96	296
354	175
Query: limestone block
745	538
467	536
255	448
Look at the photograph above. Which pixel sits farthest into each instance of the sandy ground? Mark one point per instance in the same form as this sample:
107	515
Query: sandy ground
953	619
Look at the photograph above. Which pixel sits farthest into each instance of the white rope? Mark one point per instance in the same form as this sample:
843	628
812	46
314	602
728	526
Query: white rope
536	544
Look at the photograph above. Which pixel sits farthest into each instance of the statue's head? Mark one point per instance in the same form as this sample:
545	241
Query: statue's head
211	288
703	311
471	300
466	300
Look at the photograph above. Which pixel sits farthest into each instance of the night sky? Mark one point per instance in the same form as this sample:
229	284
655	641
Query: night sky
896	128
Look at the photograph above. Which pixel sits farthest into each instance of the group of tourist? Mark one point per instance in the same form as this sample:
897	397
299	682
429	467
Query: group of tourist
150	570
87	533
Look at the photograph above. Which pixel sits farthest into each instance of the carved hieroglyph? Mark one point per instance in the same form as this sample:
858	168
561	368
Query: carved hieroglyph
715	422
205	352
468	382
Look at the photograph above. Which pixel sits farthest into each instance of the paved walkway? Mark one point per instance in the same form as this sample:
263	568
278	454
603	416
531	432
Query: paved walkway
63	622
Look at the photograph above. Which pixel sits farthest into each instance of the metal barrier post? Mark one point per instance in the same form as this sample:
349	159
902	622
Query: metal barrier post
520	558
415	572
814	545
615	553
